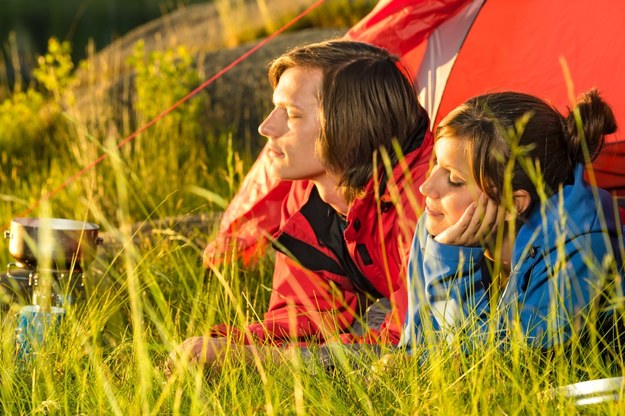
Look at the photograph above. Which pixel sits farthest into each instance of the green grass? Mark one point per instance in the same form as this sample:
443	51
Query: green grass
148	292
78	372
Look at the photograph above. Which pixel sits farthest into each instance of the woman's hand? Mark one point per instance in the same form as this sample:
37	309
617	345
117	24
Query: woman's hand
479	221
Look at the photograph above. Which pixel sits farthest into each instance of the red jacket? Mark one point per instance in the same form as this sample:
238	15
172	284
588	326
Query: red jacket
315	292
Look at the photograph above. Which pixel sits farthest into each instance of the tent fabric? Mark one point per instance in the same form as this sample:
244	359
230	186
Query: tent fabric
456	49
401	26
553	49
441	51
609	168
251	218
254	213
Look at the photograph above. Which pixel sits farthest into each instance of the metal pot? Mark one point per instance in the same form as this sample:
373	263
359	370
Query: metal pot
62	241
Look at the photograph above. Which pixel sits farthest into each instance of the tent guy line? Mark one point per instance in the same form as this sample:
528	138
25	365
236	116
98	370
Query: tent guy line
165	112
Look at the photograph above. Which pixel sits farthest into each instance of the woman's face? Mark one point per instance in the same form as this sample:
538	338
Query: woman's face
450	187
293	126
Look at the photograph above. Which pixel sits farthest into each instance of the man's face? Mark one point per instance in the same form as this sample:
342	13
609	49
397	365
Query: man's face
293	126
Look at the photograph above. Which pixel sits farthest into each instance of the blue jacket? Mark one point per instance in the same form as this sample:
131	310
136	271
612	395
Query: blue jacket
563	257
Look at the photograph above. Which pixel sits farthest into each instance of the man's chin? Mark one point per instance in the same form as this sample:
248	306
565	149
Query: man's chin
280	174
275	171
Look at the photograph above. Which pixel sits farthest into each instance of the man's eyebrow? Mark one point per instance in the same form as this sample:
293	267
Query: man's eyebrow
287	103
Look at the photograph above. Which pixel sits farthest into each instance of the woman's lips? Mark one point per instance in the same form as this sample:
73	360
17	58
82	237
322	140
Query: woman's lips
432	213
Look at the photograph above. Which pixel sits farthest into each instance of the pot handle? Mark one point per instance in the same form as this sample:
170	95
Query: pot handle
99	241
7	234
14	265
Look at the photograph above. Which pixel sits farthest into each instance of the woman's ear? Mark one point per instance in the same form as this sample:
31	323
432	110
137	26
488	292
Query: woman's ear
522	200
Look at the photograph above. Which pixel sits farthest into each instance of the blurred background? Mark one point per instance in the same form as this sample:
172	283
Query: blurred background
79	76
26	25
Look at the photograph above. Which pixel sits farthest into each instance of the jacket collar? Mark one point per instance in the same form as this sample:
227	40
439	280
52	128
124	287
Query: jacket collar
577	209
401	171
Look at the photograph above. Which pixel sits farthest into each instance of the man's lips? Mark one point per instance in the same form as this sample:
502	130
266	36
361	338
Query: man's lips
273	152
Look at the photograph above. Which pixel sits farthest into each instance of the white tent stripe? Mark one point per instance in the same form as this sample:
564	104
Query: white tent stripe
440	55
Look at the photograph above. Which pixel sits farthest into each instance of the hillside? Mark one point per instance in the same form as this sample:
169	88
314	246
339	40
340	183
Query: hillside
235	102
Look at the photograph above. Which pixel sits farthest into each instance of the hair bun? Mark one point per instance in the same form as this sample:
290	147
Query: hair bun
596	120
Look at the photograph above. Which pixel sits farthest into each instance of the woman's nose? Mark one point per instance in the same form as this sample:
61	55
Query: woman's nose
428	187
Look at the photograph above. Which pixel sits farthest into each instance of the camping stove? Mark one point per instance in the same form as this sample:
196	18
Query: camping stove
51	291
26	280
65	247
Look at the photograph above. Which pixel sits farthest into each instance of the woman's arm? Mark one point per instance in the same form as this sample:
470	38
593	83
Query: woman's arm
447	288
553	297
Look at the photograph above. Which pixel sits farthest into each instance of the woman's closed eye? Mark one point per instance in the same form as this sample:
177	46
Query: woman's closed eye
454	181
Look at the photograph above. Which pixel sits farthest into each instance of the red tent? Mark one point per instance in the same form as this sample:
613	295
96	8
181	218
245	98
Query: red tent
555	49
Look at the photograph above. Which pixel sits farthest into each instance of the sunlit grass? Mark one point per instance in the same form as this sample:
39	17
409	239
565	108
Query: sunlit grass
78	373
148	291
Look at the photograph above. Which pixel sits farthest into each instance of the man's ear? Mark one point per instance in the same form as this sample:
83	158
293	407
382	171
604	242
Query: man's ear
522	200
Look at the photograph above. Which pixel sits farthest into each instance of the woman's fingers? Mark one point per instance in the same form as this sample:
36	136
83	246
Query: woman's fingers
472	222
489	221
476	225
456	234
473	232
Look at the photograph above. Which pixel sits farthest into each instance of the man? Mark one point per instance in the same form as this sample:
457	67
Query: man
347	129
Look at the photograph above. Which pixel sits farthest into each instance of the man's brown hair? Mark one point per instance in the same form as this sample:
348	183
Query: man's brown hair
366	102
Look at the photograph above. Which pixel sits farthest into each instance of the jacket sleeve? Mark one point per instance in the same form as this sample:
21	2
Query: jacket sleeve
398	238
554	293
304	305
389	330
447	289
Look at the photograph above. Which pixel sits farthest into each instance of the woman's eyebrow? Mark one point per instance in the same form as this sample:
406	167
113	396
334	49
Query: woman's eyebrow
453	169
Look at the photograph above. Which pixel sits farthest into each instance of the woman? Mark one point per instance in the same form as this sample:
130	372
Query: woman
512	231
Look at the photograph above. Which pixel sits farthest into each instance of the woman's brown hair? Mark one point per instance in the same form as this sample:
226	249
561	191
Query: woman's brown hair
487	126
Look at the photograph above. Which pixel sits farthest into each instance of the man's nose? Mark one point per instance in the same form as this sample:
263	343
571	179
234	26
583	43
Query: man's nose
269	127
